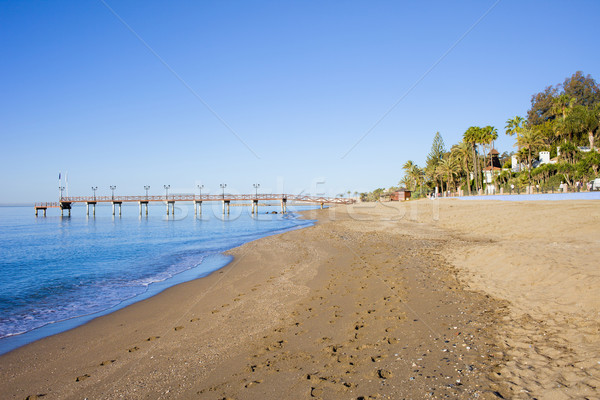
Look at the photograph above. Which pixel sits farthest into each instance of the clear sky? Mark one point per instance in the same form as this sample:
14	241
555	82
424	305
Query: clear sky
134	93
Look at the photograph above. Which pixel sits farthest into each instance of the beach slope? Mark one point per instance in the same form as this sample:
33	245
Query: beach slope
396	300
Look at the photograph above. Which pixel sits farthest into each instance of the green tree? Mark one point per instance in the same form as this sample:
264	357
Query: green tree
489	134
541	106
408	168
555	100
462	153
515	125
561	105
406	182
588	121
448	168
435	156
582	88
472	137
592	161
438	150
569	153
530	141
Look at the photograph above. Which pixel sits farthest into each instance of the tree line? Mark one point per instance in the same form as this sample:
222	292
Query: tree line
563	120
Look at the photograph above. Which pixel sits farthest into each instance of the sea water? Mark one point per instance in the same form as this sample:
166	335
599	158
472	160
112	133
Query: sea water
60	272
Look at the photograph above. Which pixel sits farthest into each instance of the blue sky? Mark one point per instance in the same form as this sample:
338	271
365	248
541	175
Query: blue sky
267	92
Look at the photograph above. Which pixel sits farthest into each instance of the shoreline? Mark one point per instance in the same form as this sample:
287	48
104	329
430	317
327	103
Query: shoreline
385	300
13	342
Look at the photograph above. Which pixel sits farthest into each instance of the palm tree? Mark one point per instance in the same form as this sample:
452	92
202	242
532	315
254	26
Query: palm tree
593	124
471	136
529	141
461	152
514	126
405	181
562	107
561	104
417	175
408	165
583	120
448	168
488	135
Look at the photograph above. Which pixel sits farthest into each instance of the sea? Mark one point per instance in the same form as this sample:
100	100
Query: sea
57	273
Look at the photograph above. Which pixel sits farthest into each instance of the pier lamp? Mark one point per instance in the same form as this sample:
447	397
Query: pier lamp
146	187
112	188
200	187
256	186
167	187
223	186
94	188
61	188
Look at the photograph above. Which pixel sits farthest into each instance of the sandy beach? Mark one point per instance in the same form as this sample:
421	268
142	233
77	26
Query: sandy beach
420	299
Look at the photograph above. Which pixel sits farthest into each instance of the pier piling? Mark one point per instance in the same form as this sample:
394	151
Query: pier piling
284	205
226	206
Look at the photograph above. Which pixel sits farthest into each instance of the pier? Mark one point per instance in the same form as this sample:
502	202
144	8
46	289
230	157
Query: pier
253	200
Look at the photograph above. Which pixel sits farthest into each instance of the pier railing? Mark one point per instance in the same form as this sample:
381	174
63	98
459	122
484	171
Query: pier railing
47	205
207	197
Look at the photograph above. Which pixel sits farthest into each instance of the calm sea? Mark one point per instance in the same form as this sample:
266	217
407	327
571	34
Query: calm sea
57	273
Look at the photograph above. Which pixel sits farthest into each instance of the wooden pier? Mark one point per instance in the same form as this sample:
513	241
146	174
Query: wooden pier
252	200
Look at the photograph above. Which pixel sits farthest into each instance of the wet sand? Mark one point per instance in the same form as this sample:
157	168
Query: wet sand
390	301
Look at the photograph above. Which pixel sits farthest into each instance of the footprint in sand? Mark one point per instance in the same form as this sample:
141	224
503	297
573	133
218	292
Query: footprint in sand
151	338
384	374
35	396
194	319
250	384
82	378
178	328
107	362
131	350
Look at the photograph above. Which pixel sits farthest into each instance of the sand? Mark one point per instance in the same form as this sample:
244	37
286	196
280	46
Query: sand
397	300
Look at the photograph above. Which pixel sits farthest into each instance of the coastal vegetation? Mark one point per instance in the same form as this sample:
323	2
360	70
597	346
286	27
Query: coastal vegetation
563	122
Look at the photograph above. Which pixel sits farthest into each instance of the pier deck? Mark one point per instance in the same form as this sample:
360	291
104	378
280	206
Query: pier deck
65	203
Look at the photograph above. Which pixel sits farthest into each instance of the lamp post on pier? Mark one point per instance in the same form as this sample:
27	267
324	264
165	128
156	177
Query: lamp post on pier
255	201
198	203
94	188
225	203
256	186
112	188
167	187
146	187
